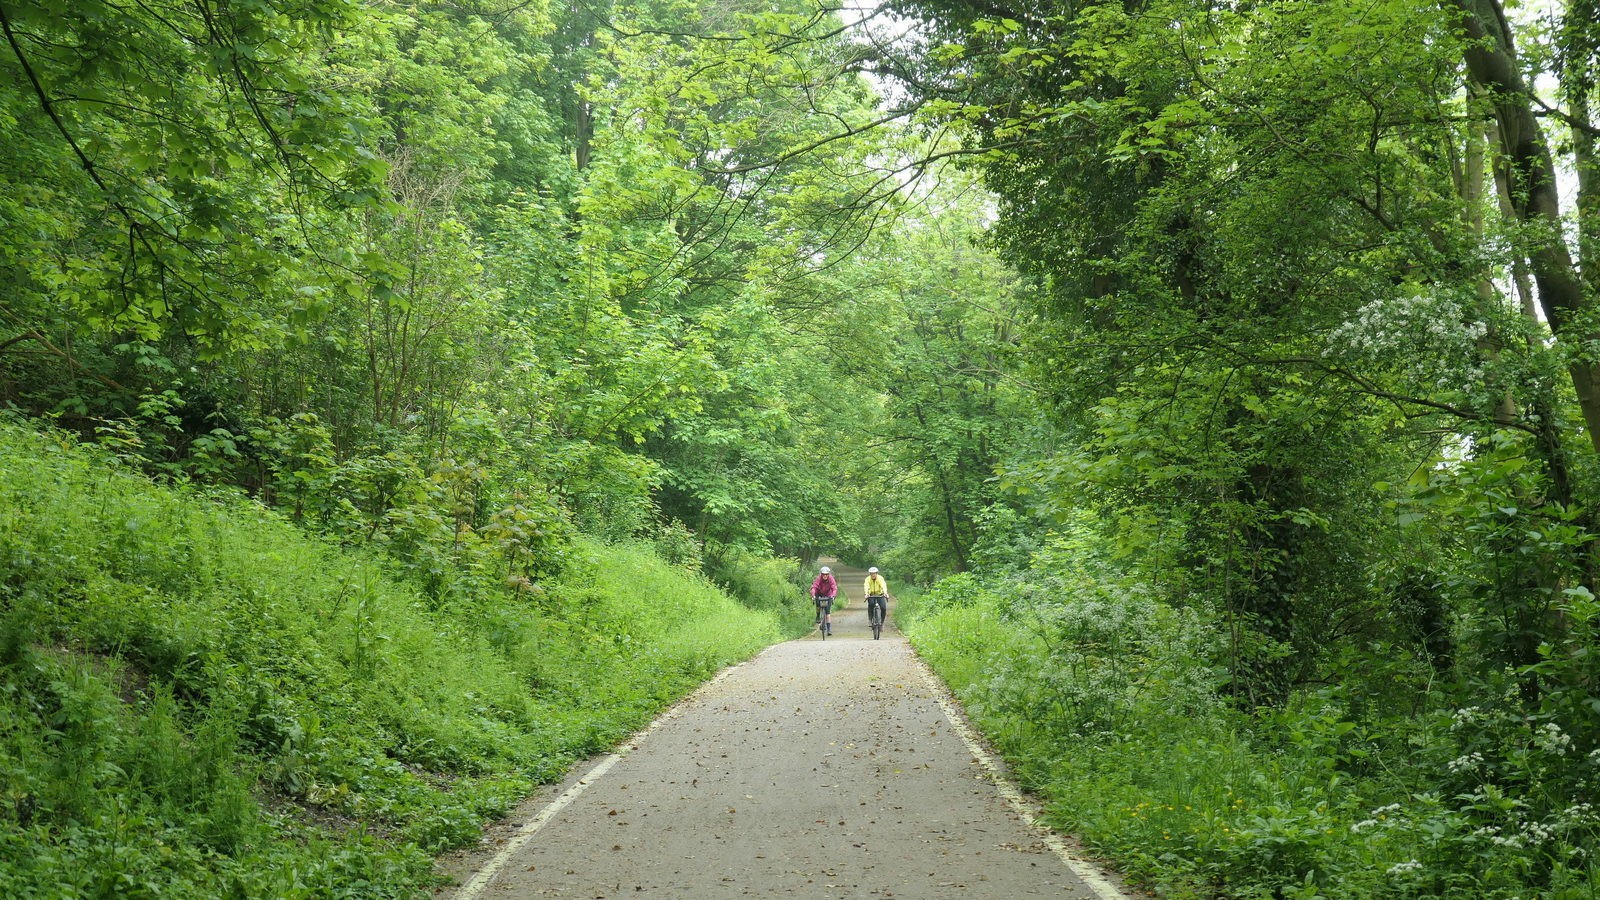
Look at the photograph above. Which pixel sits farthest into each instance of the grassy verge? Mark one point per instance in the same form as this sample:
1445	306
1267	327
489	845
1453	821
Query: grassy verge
1101	699
197	700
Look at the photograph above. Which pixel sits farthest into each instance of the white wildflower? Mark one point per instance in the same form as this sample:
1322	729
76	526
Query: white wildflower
1552	739
1578	814
1538	832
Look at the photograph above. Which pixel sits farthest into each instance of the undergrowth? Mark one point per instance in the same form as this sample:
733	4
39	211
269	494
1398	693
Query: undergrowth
196	699
1107	703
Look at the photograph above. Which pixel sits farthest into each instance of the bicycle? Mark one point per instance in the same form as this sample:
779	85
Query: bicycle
877	609
824	621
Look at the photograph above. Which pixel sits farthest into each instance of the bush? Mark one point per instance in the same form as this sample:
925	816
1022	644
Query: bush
1103	698
760	582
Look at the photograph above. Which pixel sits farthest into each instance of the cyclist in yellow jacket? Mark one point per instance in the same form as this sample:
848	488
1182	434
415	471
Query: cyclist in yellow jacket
877	591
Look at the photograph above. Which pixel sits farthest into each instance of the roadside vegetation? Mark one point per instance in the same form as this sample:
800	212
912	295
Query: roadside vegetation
1114	705
198	699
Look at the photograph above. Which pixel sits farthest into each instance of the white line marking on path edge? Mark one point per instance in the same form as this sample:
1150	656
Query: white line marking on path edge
479	882
1091	876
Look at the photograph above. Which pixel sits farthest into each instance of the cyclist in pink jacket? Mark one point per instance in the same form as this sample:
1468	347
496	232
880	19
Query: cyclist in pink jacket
823	590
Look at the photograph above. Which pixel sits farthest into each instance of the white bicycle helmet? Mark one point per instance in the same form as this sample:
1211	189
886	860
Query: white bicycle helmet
828	571
873	570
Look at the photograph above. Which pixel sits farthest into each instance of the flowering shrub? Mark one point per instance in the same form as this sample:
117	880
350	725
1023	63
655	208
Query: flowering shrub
1427	336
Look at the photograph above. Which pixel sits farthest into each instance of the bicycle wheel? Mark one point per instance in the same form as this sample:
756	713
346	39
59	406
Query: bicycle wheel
875	614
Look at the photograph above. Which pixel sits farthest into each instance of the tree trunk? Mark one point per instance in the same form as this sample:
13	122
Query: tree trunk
1587	163
1492	65
946	498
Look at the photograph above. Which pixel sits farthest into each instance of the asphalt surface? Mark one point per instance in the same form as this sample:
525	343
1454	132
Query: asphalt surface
821	768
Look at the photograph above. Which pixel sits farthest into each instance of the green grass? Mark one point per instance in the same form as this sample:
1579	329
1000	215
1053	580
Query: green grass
198	700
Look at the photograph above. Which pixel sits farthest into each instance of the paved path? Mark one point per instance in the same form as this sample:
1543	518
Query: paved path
818	769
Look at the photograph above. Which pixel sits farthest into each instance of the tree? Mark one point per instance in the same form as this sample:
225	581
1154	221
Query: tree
185	161
1239	218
